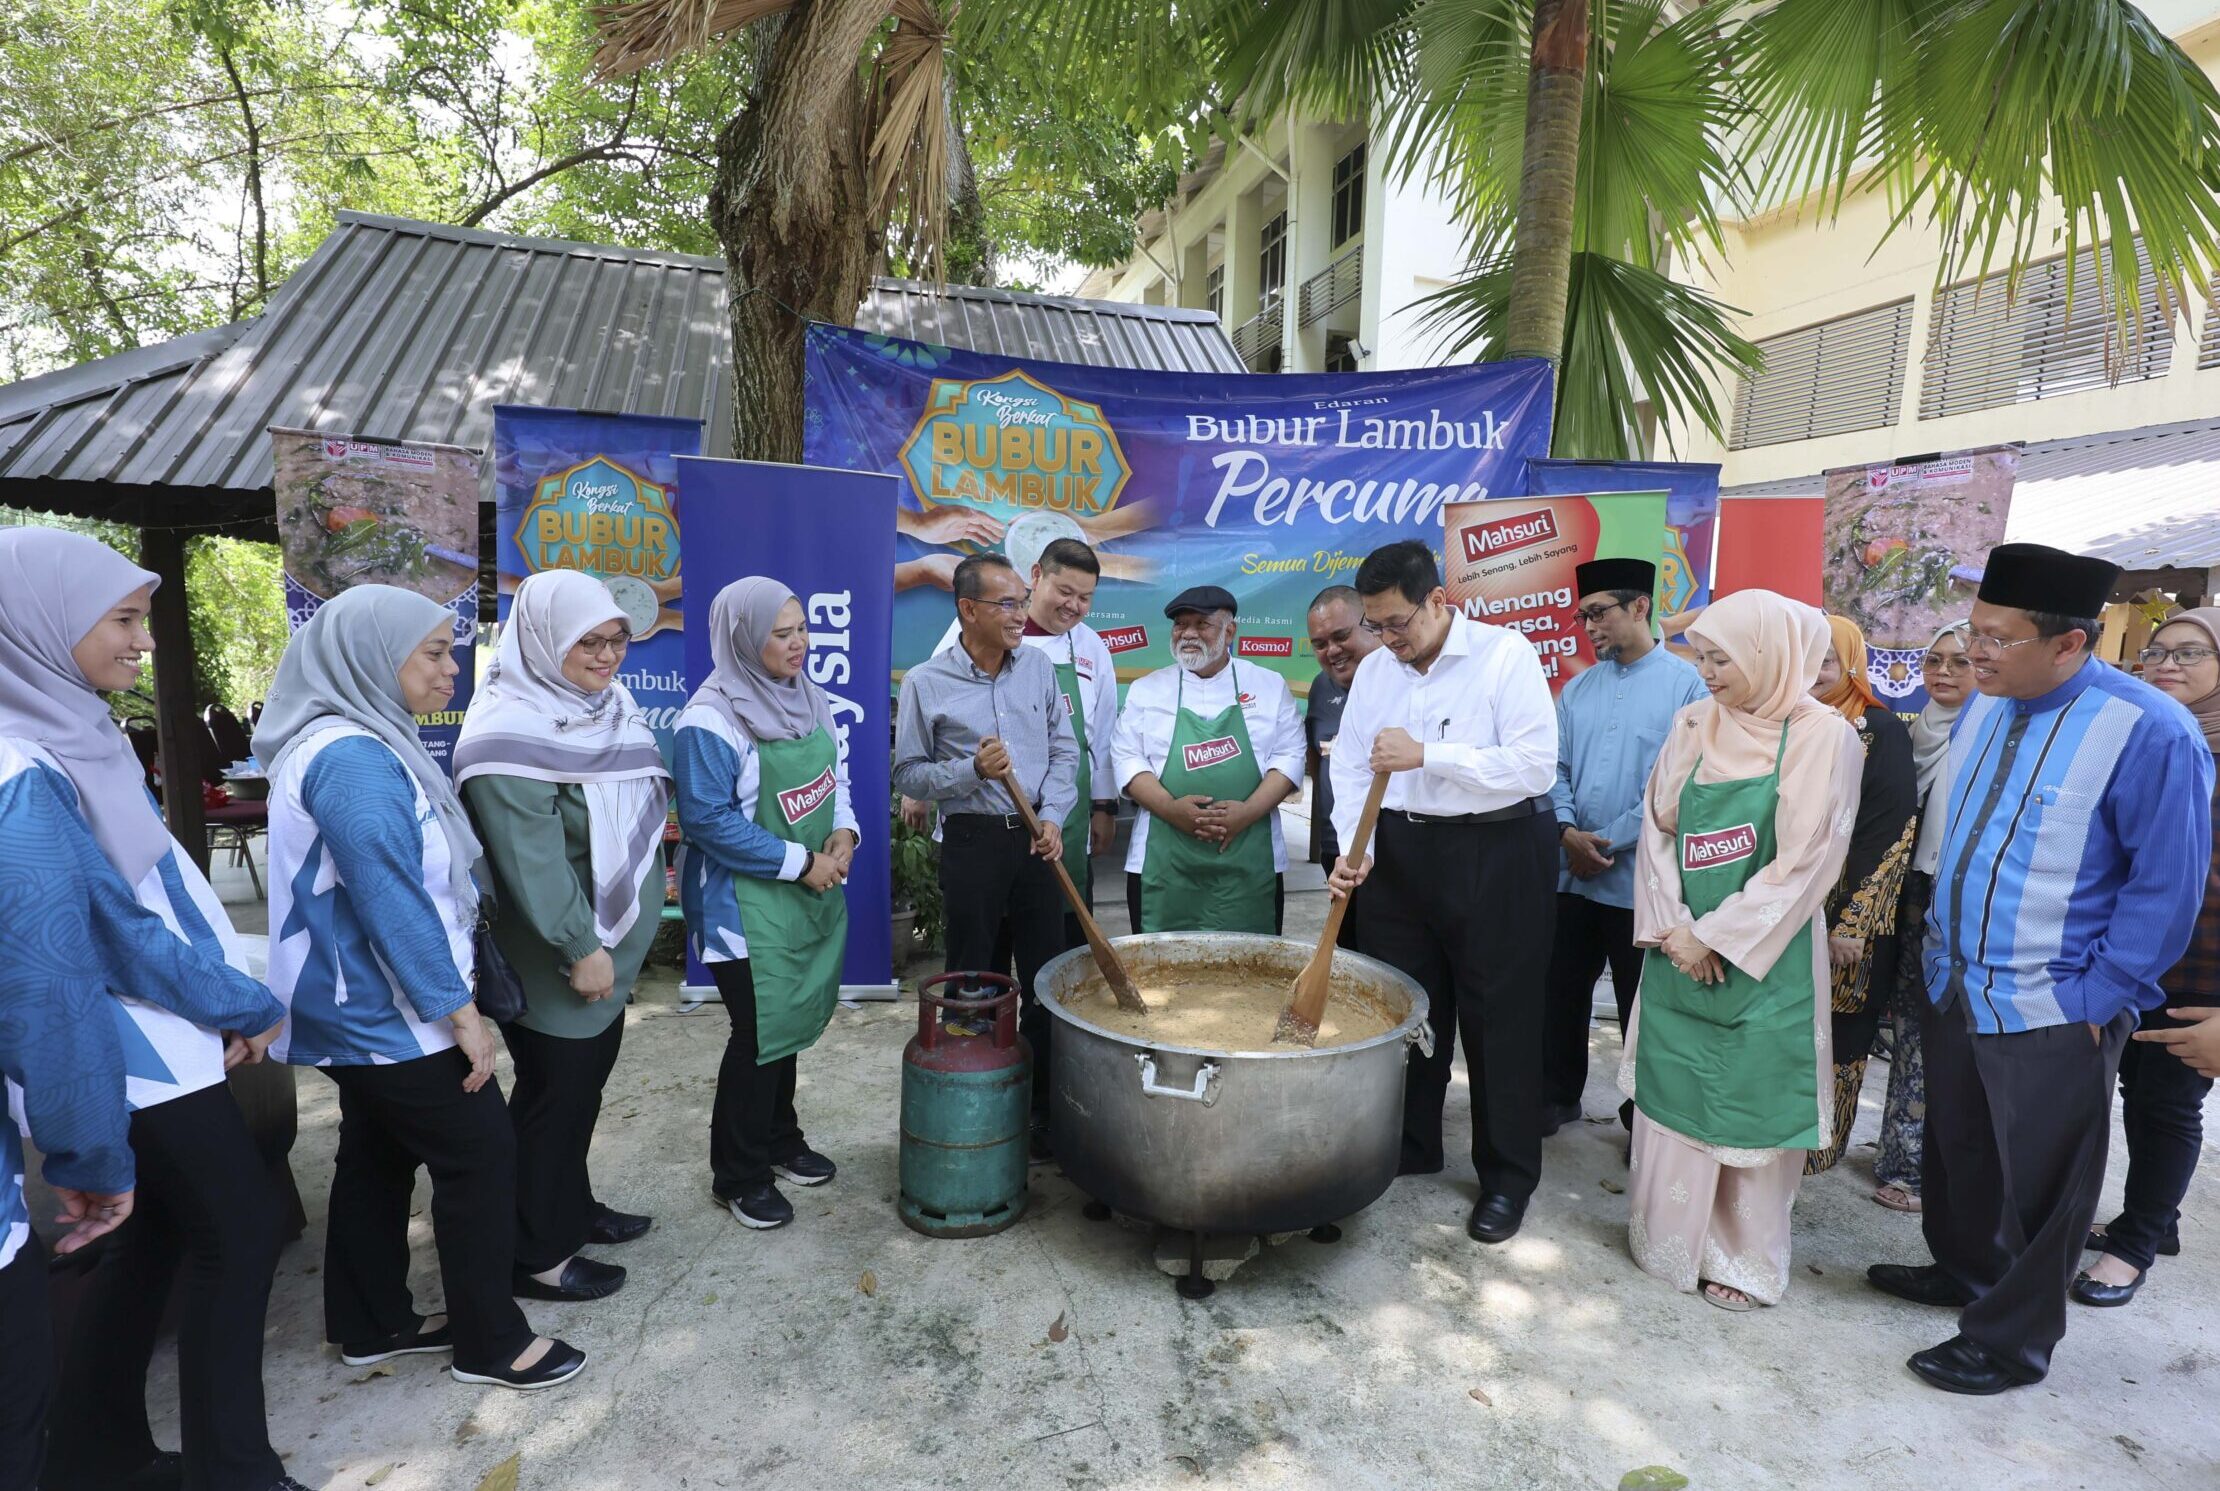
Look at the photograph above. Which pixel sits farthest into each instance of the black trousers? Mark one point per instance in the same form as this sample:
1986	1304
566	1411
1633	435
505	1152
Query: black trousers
1279	903
26	1366
1467	909
752	1125
1589	936
2017	1130
393	1119
205	1221
2162	1107
988	873
554	1104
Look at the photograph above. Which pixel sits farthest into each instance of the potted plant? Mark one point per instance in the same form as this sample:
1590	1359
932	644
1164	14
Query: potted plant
916	877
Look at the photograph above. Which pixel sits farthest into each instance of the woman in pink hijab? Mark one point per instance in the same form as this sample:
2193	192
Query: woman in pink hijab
1746	824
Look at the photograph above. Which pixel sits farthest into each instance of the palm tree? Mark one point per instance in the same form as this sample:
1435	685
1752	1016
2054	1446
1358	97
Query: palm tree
1590	145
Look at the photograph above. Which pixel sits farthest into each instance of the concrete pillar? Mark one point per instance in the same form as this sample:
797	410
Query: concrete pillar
1310	156
1243	225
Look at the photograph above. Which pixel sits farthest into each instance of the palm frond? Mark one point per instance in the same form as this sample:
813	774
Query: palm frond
1630	333
909	128
1655	159
1833	88
1341	58
640	33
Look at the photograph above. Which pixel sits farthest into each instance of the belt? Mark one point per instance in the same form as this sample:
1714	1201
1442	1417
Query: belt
985	820
1511	814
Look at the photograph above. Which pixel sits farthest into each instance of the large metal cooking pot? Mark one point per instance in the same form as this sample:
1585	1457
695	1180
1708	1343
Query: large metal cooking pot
1213	1141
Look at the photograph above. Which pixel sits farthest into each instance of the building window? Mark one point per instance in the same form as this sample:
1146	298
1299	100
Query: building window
1214	290
1271	260
2208	354
1985	351
1341	356
1844	374
1349	196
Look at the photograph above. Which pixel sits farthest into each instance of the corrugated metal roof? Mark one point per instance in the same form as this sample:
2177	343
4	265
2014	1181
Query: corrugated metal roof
2146	498
409	330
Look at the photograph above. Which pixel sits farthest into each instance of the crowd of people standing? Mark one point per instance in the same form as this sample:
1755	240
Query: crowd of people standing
1769	864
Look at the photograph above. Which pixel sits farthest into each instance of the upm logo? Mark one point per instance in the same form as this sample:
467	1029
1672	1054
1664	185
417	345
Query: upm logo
798	803
1125	638
1485	540
1265	646
1204	753
1722	846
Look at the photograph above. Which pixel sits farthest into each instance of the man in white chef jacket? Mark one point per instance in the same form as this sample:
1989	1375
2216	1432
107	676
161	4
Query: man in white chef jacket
1209	748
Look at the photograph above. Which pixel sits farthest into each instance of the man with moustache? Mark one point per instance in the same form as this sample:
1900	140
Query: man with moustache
1464	861
2075	847
1340	642
1209	749
1611	723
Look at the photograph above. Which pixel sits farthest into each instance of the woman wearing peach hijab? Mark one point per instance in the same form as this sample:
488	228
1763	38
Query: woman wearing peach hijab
1745	826
1861	914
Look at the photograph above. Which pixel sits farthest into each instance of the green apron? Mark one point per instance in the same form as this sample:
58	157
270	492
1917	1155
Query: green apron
796	937
1081	817
1733	1064
1186	884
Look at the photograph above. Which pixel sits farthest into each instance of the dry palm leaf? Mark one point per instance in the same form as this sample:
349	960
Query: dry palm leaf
639	33
910	158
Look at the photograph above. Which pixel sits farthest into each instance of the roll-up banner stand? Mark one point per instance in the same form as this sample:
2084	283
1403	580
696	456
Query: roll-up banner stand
828	535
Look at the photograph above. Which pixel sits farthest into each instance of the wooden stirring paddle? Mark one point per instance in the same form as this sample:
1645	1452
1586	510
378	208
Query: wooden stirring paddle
1113	972
1299	1021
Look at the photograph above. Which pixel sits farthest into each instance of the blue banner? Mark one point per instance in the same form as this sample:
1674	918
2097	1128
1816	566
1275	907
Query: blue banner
1273	486
1691	515
599	493
829	537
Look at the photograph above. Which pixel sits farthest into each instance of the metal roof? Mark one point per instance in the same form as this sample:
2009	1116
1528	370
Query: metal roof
409	330
2146	498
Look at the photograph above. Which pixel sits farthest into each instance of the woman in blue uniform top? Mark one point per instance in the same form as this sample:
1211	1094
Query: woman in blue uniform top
73	622
373	911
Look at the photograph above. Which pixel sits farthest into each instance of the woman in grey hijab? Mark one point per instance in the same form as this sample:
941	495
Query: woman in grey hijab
375	913
770	833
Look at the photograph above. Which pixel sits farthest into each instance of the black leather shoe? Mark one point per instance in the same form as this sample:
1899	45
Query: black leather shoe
1415	1165
1557	1115
1925	1284
612	1227
165	1472
2088	1291
582	1278
759	1206
562	1362
1959	1366
1496	1219
806	1168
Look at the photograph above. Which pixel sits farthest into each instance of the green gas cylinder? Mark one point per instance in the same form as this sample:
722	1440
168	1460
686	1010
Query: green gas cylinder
967	1084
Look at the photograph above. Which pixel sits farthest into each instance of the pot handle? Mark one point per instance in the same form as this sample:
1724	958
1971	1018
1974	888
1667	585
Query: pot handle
1205	1078
1422	1036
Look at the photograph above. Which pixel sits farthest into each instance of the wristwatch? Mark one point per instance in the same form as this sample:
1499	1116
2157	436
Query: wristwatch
1106	805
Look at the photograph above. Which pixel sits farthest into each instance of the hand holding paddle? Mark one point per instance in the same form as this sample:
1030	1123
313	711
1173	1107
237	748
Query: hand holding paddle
1113	972
1299	1021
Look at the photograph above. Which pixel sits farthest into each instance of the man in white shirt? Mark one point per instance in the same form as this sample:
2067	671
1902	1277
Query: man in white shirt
1063	592
1209	748
1464	862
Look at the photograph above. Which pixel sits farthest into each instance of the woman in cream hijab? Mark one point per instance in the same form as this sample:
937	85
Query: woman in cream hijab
1745	826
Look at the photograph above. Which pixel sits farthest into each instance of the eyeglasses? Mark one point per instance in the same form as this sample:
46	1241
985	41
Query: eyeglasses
1008	608
1391	628
605	646
2183	657
1597	613
1978	645
1936	662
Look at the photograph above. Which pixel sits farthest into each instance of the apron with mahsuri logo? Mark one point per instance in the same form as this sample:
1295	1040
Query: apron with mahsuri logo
797	937
1186	884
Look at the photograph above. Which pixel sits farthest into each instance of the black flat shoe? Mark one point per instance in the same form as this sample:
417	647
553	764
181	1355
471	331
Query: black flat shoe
612	1227
1557	1115
760	1207
2088	1291
1496	1219
1925	1284
582	1279
807	1168
1959	1366
562	1362
418	1342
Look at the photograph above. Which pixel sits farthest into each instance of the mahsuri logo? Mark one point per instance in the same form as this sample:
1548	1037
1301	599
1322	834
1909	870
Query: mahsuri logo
798	803
1485	540
1204	753
1722	846
1012	445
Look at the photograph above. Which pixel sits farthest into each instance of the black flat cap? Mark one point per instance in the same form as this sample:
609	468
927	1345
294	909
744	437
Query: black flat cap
1203	598
2036	577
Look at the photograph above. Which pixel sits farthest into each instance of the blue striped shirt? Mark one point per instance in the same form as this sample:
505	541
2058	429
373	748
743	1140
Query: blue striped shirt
2074	853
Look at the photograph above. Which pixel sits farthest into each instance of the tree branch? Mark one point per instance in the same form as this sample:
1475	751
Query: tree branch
254	183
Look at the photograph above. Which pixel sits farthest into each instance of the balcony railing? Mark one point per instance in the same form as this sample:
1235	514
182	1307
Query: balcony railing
1257	340
1337	285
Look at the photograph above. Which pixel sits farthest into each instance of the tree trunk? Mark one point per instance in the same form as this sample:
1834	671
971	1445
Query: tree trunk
1541	253
791	208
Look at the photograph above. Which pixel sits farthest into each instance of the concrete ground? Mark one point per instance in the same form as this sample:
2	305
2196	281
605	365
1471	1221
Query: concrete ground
846	1351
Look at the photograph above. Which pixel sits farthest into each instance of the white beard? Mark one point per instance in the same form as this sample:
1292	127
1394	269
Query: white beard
1195	659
